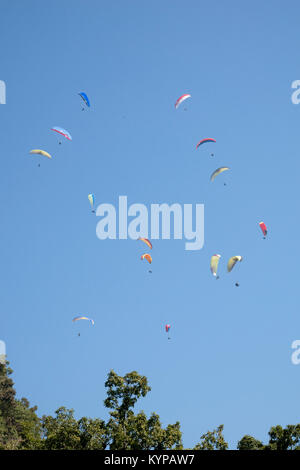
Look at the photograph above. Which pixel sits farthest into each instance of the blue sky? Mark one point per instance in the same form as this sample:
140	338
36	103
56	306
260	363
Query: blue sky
229	360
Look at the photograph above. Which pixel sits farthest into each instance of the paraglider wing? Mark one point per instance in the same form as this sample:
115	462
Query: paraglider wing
205	140
147	257
83	318
218	171
214	261
232	262
91	198
263	228
181	99
145	240
40	152
85	98
62	131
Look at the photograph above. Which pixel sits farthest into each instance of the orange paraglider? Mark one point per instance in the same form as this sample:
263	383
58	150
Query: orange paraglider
147	257
145	240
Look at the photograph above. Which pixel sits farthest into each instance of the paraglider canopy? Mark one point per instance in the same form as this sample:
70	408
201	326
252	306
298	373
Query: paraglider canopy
145	240
147	257
205	140
167	327
91	198
85	98
263	228
40	152
83	318
232	262
62	131
214	261
181	99
218	171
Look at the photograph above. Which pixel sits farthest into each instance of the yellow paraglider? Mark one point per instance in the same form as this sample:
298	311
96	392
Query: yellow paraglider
218	171
214	265
40	152
232	262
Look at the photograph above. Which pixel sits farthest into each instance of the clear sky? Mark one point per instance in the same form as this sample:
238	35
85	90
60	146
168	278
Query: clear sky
229	359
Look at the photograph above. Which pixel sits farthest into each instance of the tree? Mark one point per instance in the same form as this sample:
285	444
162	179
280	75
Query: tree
284	439
93	434
212	440
129	431
19	425
250	443
21	428
61	432
279	439
64	432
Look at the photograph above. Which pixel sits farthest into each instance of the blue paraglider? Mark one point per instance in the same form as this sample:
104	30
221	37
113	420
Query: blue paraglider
84	97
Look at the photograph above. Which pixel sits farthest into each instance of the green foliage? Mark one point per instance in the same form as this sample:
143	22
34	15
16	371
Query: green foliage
284	439
279	439
250	443
123	393
61	432
129	431
93	434
124	429
212	440
21	428
64	432
28	424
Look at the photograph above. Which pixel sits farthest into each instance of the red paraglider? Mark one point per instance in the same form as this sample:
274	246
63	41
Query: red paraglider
181	99
204	140
263	228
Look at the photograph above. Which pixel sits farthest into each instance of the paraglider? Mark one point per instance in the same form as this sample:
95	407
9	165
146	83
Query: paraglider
83	318
91	198
167	328
40	152
203	141
84	97
218	171
214	261
147	257
263	229
145	240
63	132
181	99
232	262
